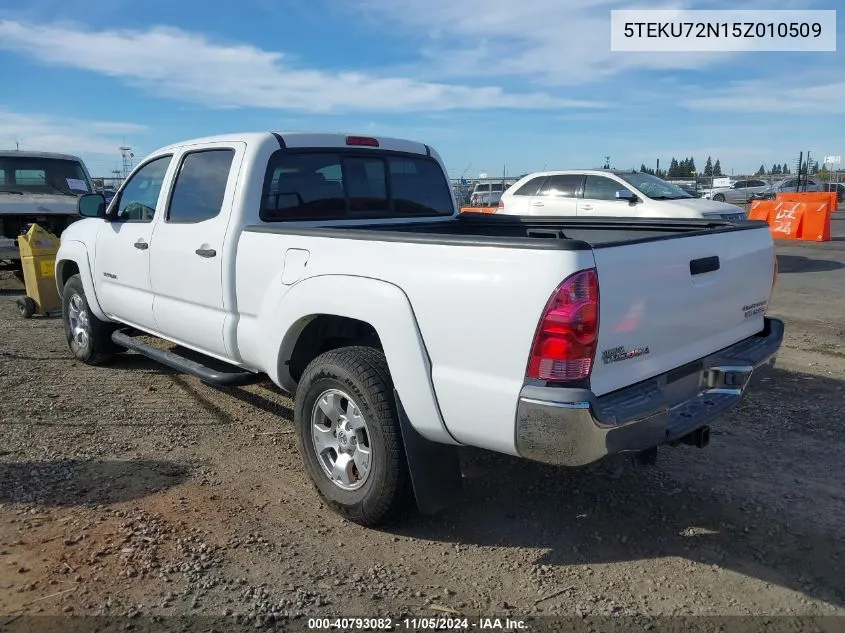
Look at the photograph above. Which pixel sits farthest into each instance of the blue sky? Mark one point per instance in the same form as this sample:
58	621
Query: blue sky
490	83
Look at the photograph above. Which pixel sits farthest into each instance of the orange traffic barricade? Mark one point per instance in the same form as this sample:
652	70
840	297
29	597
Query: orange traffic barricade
479	209
829	197
801	219
761	209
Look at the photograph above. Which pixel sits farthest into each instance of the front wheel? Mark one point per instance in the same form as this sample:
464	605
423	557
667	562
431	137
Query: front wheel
348	430
719	197
88	337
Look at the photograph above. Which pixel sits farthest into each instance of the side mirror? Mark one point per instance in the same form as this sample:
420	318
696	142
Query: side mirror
626	194
91	205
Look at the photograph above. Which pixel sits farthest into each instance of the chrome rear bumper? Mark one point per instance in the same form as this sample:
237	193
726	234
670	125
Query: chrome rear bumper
573	427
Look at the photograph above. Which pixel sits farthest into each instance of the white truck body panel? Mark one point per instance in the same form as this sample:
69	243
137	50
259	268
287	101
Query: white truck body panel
657	303
456	320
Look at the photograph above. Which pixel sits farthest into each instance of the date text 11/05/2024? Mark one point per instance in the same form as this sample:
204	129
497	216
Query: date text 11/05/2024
417	624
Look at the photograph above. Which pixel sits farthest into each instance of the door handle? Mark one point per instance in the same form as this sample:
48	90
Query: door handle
537	204
206	252
141	245
704	265
587	207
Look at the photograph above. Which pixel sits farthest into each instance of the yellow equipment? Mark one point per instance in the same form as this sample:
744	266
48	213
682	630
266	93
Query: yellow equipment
38	248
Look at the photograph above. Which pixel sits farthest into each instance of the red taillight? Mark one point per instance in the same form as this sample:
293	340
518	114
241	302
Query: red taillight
365	141
500	206
565	343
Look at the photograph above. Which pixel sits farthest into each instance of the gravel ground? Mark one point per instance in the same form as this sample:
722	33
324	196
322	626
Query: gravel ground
130	490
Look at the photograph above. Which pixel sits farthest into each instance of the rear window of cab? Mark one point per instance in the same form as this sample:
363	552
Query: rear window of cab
338	184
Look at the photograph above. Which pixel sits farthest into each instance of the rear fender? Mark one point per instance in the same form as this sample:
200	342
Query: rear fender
382	305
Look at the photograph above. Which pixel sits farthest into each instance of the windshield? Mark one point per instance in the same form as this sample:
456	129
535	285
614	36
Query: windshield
26	174
654	187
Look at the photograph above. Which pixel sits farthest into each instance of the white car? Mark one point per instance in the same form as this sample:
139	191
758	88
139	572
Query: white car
604	193
341	268
488	194
740	191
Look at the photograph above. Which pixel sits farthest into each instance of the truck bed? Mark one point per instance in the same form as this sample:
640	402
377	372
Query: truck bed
519	232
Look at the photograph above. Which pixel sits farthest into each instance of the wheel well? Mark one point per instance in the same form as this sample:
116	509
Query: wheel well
68	269
326	332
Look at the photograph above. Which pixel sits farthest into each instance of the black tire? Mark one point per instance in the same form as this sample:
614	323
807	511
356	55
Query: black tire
719	197
97	347
26	307
362	373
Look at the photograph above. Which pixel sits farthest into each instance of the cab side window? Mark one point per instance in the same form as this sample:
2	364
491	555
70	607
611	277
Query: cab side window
200	186
139	196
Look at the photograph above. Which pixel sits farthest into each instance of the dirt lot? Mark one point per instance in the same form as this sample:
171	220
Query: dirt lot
129	490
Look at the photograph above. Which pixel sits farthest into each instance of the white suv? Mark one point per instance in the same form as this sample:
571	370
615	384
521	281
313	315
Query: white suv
595	193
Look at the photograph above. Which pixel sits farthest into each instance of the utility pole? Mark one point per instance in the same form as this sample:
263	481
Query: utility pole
807	177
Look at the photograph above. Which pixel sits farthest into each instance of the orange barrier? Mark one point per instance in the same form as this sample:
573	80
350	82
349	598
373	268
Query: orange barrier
791	220
479	209
830	197
760	209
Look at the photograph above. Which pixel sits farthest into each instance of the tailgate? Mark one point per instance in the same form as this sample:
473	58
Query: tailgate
665	303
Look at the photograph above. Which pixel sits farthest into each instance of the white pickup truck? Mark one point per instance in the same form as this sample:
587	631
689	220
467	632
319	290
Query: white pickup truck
339	267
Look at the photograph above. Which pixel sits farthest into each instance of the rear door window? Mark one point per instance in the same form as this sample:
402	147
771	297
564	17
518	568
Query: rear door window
346	185
562	186
531	187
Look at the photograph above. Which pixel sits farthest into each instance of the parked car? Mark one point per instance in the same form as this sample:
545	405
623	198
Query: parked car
487	194
838	187
790	185
691	190
37	187
595	193
341	268
741	191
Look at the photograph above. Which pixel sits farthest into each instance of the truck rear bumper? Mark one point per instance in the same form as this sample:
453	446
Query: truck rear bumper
573	427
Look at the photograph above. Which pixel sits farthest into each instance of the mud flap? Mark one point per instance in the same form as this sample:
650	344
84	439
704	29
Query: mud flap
435	468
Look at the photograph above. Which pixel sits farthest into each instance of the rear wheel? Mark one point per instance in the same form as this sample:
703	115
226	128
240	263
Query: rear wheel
349	436
88	337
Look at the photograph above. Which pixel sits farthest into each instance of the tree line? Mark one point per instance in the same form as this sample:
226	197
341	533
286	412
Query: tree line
686	169
779	170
